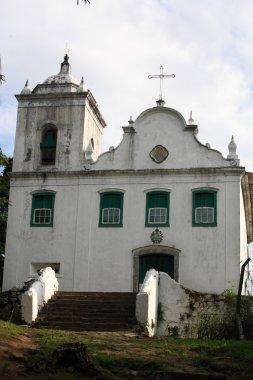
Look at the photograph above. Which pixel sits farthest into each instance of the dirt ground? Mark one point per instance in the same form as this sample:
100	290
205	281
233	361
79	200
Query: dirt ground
14	350
12	354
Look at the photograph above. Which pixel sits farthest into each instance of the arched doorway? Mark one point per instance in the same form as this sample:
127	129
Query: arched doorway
162	258
161	263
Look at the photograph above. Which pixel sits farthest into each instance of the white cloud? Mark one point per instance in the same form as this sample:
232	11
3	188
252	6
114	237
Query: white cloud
8	110
116	44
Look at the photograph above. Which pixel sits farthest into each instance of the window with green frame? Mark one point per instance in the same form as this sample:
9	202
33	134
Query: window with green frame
42	214
48	146
111	209
204	208
157	208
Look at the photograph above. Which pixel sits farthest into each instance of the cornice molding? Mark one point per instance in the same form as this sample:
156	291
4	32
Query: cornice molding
221	171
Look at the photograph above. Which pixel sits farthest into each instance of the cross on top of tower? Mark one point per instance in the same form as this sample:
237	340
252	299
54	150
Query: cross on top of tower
161	76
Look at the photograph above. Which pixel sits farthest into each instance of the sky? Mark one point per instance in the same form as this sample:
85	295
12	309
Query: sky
116	44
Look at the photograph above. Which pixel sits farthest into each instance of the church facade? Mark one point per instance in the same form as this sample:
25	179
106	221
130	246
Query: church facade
160	200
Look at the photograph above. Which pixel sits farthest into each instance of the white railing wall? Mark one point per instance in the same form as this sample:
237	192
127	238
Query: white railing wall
147	303
38	294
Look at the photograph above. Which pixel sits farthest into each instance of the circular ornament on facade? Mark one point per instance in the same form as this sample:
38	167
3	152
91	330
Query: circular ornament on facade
158	154
156	236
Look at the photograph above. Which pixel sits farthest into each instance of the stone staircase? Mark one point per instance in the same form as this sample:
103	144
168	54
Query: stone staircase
94	311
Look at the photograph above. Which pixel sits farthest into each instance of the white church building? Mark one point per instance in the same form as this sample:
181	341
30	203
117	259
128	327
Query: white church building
160	200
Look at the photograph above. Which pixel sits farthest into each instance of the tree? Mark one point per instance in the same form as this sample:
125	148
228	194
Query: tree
85	1
5	166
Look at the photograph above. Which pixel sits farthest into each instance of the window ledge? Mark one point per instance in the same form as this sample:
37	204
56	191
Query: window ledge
204	225
41	225
157	225
110	225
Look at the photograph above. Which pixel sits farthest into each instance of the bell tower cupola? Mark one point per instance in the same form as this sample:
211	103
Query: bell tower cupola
65	66
56	123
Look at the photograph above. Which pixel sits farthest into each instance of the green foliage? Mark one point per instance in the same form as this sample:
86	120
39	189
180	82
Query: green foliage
223	326
213	326
8	330
228	293
3	158
5	166
247	318
173	331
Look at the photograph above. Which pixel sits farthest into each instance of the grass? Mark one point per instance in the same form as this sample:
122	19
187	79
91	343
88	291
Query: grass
8	329
129	356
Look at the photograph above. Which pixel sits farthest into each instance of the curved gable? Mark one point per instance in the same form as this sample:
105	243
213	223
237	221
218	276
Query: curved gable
160	139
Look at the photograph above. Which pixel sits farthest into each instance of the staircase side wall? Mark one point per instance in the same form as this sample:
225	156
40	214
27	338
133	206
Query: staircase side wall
188	314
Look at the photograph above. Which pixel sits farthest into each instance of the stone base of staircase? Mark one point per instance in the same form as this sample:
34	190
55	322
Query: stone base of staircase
89	311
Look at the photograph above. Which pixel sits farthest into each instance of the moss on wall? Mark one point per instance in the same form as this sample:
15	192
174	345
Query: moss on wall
213	316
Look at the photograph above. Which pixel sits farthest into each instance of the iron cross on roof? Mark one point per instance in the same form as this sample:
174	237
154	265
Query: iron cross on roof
161	76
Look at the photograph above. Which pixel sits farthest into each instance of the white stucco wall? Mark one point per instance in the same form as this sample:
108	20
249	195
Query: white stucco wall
92	130
38	294
97	258
147	303
94	258
173	302
32	116
76	123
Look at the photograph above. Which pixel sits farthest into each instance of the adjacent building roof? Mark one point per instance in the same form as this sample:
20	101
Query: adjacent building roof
250	180
247	189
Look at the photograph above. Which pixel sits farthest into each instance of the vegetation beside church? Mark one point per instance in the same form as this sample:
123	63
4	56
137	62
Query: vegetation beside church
188	314
223	325
5	165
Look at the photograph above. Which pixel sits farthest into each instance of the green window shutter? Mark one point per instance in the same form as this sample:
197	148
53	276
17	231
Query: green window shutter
49	139
204	208
204	199
43	201
157	209
38	201
111	209
48	201
111	200
158	200
42	213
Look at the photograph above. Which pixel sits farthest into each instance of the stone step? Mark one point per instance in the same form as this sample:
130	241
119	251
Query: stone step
69	303
94	307
89	311
84	318
92	326
96	296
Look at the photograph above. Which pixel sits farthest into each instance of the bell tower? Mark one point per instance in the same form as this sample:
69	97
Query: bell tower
57	122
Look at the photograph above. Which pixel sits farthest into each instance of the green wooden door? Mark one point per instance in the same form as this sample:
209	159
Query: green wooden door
161	263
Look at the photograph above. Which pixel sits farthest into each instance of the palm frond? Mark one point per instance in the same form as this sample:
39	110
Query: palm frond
85	1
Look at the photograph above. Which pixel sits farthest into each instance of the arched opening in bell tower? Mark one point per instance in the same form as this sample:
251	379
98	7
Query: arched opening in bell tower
48	145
